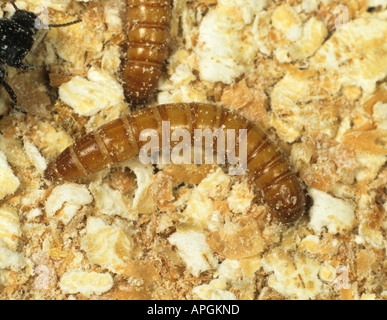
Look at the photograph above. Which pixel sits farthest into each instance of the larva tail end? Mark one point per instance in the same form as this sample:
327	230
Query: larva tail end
287	200
288	217
291	213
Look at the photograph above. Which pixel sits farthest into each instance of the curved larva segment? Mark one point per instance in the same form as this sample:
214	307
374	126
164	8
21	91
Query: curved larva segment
148	30
119	141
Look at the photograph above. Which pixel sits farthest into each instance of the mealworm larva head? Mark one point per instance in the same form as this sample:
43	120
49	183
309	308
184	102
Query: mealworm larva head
50	173
65	167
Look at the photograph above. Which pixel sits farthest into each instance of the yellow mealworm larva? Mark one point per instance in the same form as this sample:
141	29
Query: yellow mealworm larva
148	30
119	140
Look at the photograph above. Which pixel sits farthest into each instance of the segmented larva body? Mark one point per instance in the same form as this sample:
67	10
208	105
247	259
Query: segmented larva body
148	30
118	141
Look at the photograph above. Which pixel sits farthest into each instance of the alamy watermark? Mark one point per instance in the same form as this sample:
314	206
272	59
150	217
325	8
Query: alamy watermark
42	22
183	143
343	16
342	278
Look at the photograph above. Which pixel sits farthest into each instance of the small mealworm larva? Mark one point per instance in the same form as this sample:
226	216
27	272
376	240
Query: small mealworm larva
119	140
148	30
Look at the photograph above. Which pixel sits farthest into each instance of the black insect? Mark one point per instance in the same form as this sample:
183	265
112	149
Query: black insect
16	40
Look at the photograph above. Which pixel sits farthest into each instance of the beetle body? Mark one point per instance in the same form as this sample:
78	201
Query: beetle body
16	40
119	140
148	30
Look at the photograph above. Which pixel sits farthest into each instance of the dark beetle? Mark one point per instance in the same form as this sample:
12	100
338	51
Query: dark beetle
16	40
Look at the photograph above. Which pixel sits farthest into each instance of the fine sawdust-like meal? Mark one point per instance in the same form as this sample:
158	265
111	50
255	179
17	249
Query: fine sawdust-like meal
311	73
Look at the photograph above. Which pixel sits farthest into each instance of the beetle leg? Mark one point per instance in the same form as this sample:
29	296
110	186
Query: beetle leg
13	97
26	67
10	92
14	5
6	86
